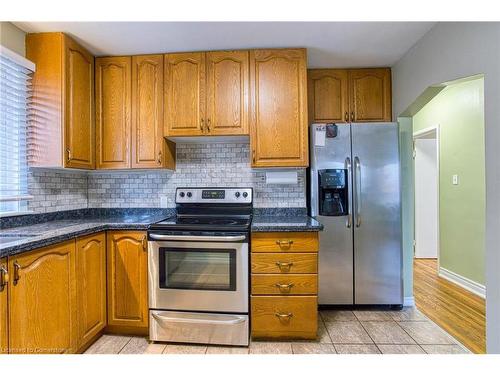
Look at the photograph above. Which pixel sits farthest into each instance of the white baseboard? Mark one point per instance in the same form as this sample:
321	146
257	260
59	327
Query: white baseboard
409	301
470	285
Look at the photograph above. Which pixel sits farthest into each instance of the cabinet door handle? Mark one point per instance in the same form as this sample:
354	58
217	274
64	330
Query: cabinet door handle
159	157
202	125
284	315
144	242
253	156
208	125
17	276
284	288
69	154
346	116
4	277
284	266
284	243
352	116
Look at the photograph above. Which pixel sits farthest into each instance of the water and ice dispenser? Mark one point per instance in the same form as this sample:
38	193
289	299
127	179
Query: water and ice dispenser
333	192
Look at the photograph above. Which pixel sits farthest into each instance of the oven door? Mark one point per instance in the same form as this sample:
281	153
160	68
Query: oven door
198	273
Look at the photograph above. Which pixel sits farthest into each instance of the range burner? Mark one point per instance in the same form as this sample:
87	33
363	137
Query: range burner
223	222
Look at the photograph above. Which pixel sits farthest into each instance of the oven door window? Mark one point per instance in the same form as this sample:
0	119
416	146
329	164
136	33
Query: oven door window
199	269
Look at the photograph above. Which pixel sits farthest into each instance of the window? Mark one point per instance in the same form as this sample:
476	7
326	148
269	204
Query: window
15	81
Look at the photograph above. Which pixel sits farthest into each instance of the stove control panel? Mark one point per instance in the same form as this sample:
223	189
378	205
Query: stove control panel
214	195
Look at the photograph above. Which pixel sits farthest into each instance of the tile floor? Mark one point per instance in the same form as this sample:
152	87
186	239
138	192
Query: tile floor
340	331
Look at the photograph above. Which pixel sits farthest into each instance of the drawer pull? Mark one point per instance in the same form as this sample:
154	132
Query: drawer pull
284	243
284	266
284	288
4	277
284	315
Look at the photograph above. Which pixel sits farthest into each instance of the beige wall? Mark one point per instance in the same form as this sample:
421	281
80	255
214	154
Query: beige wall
12	37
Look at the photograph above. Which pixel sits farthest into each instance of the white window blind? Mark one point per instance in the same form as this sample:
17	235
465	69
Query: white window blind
15	84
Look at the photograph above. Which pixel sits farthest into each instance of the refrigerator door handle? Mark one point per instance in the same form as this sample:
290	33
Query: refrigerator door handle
357	186
348	166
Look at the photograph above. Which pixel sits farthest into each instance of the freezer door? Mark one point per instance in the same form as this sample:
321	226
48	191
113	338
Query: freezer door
336	252
377	214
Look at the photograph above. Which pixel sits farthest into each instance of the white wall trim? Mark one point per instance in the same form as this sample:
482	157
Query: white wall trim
470	285
409	301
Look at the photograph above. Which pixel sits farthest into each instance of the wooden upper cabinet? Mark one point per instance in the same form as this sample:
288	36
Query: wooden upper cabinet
4	325
227	92
91	286
79	106
127	279
370	95
61	122
42	301
184	94
278	132
328	95
113	111
147	111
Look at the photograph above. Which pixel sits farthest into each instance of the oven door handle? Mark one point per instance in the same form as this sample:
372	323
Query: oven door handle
168	319
197	238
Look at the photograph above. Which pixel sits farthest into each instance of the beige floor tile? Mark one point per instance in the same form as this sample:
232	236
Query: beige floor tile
136	345
337	315
227	350
426	333
185	349
387	333
347	333
312	348
400	349
372	315
356	349
155	349
408	314
444	349
270	348
108	344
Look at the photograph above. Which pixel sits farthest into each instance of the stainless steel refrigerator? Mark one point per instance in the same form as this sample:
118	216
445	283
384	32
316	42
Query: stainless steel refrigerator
355	193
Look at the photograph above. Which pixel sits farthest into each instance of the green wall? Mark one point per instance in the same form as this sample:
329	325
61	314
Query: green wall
459	112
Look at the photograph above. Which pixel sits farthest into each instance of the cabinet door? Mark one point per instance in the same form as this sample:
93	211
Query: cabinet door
4	326
91	286
147	111
278	133
328	95
370	95
42	301
184	94
227	92
113	117
79	135
127	279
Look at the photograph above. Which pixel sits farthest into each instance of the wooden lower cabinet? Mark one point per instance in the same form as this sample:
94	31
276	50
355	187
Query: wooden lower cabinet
284	317
91	287
42	301
127	281
284	279
4	326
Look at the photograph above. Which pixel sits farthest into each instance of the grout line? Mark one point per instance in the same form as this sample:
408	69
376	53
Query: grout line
123	347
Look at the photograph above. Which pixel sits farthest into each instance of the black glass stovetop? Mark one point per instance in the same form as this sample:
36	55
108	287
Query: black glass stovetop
204	223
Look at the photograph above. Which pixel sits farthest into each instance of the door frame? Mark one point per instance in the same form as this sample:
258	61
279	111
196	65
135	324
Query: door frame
420	135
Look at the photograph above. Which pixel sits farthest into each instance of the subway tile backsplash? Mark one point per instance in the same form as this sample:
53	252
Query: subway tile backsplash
207	164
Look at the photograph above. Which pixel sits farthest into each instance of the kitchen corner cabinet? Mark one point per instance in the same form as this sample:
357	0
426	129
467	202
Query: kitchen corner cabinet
127	281
4	325
62	129
349	95
278	102
91	287
206	93
42	301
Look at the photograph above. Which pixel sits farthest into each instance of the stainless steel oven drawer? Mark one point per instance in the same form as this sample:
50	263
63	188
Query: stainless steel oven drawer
201	328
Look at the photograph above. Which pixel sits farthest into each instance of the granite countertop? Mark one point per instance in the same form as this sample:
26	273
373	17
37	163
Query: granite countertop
21	234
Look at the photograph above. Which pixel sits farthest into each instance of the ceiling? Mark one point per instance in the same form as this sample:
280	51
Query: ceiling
329	44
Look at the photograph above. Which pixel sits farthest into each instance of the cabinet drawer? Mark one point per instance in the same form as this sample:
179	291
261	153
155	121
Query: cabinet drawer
302	242
291	317
284	284
284	263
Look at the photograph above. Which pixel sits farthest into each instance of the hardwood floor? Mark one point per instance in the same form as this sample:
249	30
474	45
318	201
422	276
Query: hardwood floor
458	311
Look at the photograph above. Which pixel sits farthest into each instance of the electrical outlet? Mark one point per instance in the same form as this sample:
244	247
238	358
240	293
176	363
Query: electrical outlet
163	201
455	179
